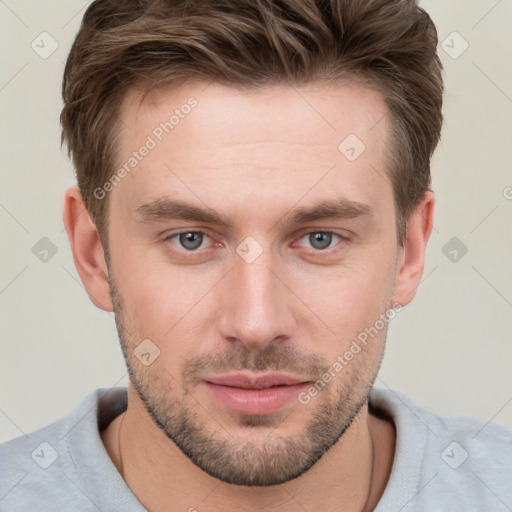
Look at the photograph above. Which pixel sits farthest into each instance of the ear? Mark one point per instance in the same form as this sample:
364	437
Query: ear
87	249
411	257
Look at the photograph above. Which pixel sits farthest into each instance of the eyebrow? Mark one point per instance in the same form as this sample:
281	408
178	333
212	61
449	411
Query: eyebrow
174	209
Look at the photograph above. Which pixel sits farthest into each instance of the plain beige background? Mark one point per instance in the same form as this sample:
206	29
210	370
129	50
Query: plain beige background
450	350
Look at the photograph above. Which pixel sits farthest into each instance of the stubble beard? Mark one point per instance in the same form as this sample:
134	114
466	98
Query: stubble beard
273	460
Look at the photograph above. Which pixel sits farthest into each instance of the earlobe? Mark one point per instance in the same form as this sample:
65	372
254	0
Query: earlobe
411	257
87	250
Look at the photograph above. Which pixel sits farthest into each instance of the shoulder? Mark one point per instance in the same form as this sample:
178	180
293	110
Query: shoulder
38	471
446	462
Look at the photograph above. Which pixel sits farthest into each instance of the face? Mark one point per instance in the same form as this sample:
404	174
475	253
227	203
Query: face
253	238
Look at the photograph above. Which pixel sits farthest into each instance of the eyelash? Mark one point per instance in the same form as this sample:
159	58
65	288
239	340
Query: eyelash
196	252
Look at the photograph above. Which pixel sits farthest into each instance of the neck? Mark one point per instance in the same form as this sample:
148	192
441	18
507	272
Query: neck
352	474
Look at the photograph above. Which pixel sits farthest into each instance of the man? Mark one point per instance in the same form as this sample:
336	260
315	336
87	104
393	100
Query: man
254	204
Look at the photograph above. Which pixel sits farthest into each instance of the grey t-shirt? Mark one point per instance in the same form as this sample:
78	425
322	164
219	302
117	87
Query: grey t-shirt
440	464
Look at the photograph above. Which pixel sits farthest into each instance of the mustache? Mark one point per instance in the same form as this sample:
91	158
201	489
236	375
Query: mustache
272	358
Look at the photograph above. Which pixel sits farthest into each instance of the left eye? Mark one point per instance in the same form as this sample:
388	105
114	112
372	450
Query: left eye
320	240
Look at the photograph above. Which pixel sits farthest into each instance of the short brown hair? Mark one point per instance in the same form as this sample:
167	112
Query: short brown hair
388	45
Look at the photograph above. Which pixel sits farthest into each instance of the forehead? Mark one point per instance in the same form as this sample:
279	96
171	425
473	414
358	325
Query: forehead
270	139
333	107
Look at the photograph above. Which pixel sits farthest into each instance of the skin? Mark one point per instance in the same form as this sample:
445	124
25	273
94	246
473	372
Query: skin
253	158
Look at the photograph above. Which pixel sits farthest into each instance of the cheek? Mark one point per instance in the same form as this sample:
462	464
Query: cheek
352	297
163	303
362	279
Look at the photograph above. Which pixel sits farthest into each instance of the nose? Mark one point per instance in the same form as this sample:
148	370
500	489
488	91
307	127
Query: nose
258	309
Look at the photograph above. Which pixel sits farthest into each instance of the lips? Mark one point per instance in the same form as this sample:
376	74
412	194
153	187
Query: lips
245	381
254	394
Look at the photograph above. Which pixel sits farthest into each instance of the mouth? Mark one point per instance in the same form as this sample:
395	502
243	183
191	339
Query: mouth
255	394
